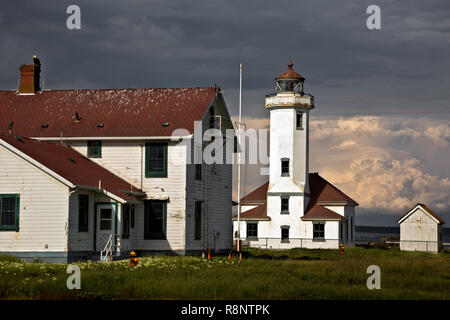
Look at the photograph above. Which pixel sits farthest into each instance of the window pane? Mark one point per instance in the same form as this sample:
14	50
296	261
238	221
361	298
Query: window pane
284	233
299	120
156	158
83	212
198	171
285	167
105	219
126	220
252	230
105	224
319	230
198	220
133	209
9	204
105	214
8	211
284	204
154	224
94	149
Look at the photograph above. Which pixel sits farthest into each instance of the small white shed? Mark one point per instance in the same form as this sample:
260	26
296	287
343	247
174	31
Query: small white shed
421	230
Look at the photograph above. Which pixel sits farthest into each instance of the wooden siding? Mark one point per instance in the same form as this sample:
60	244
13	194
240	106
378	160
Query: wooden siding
43	207
123	158
84	241
215	192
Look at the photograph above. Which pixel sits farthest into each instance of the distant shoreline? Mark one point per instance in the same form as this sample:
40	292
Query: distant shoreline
375	233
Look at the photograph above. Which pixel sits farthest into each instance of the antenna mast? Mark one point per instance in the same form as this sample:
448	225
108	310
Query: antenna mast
238	246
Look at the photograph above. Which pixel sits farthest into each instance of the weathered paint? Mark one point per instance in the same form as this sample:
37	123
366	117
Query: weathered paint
420	232
44	205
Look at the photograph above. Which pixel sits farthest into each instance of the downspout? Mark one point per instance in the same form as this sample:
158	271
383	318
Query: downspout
206	205
142	160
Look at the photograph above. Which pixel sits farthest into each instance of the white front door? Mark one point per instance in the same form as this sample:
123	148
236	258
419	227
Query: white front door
105	224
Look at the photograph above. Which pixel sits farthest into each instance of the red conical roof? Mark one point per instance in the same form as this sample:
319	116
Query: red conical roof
290	74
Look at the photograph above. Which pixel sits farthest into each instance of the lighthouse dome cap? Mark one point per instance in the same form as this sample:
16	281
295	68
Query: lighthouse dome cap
290	73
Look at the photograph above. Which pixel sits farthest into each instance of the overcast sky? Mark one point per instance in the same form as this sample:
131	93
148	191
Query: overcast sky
380	129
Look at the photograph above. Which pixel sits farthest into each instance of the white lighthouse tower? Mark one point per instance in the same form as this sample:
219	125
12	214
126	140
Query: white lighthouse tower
288	190
295	208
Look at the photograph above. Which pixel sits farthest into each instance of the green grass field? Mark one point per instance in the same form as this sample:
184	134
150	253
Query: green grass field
293	274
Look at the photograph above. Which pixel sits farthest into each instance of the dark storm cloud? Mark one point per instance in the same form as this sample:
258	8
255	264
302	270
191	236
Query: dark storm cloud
402	70
351	70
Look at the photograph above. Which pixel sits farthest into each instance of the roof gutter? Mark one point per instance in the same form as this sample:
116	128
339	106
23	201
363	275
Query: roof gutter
133	193
105	192
172	138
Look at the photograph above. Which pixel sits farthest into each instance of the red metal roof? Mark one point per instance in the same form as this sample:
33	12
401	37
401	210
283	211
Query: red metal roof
318	212
71	165
258	213
259	195
123	112
290	73
321	192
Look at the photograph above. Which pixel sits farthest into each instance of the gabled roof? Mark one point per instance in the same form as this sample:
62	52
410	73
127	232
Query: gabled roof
67	165
258	213
321	193
318	212
428	210
257	196
123	112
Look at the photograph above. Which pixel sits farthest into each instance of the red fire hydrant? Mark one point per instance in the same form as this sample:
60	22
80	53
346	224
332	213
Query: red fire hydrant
341	248
133	259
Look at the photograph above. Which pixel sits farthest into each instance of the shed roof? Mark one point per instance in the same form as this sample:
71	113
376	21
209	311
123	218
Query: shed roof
72	166
122	112
428	210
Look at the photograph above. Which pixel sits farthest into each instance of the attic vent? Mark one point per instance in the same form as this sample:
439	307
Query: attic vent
165	124
44	125
76	117
71	160
100	125
10	125
18	138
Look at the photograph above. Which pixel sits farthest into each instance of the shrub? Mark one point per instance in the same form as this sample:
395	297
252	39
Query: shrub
8	258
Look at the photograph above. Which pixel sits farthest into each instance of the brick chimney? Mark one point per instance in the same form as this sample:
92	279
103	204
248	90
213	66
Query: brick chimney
30	77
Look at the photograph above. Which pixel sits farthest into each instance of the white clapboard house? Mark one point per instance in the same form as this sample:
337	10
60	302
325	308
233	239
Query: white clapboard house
84	172
294	208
